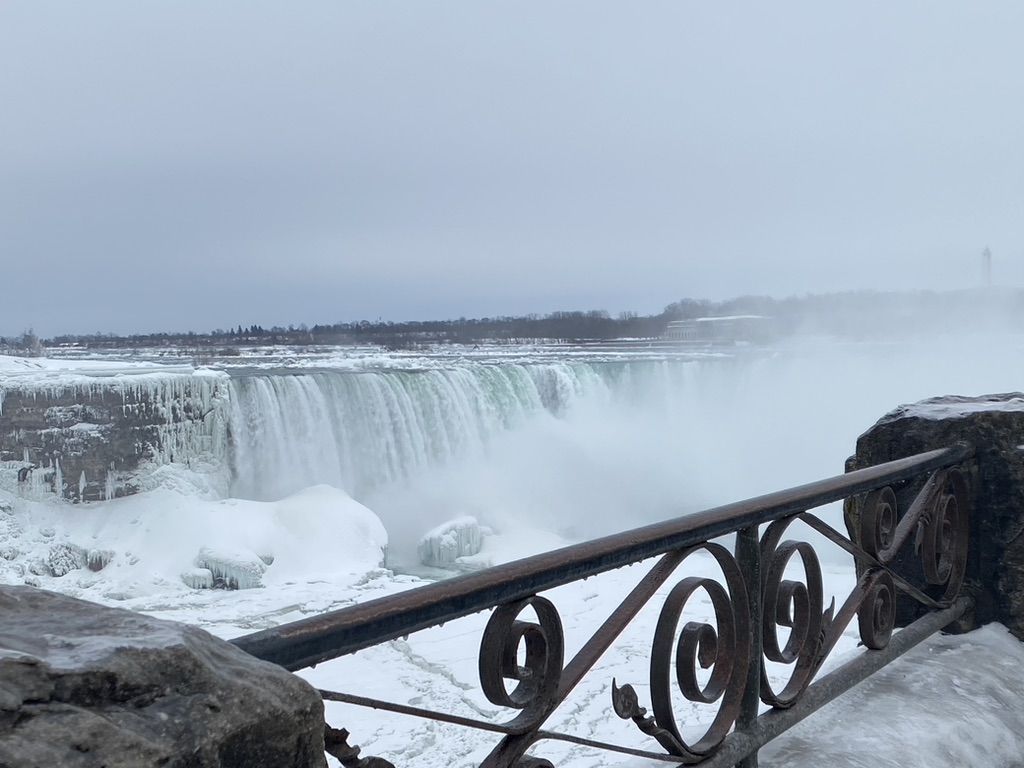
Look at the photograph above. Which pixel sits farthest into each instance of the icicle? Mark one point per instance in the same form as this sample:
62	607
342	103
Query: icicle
58	478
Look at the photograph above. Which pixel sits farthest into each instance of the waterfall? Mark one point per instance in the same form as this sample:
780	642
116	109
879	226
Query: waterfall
362	430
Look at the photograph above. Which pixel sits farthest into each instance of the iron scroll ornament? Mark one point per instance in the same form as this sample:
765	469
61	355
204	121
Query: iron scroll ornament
943	536
538	678
794	605
725	651
938	518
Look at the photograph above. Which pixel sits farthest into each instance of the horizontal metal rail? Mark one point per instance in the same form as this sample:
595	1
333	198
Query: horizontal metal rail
310	641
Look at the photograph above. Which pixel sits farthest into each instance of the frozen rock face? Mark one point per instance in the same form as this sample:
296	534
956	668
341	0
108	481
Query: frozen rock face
445	544
994	425
88	686
88	438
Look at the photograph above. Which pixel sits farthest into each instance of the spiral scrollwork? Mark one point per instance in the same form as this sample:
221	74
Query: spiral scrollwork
876	616
724	650
942	536
537	677
792	605
878	523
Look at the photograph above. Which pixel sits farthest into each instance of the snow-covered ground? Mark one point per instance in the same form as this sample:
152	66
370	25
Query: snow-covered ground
324	552
45	369
699	436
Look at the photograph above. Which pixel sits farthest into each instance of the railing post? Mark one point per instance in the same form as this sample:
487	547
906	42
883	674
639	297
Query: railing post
748	556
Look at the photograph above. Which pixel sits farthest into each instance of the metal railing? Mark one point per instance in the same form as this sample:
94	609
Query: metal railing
751	603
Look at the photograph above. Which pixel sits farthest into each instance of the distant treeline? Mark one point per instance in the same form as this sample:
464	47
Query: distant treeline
854	314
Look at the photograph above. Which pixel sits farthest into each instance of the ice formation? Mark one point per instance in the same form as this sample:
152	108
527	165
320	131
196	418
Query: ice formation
98	559
198	578
64	558
231	569
444	545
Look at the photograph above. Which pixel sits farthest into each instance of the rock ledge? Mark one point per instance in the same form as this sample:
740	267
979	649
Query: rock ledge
83	685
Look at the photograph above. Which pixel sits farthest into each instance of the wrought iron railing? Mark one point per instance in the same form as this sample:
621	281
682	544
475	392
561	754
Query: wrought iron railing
756	599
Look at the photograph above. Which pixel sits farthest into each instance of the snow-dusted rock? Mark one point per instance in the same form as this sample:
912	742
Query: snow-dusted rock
232	569
443	545
994	425
86	685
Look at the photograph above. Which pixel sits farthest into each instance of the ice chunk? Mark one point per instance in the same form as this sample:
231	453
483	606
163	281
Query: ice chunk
232	569
443	545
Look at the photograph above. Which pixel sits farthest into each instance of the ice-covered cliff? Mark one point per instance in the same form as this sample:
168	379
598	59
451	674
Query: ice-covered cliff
91	430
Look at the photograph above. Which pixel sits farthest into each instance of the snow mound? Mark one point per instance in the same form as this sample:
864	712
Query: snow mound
147	544
444	545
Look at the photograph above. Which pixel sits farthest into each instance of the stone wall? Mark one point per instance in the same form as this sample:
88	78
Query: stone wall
994	425
87	439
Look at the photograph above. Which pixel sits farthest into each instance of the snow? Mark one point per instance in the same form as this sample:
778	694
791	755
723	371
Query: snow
15	366
144	544
326	552
952	701
955	407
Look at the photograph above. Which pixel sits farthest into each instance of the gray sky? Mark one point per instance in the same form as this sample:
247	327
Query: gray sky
193	165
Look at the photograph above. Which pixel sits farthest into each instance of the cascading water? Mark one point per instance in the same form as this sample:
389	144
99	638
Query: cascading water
580	444
360	431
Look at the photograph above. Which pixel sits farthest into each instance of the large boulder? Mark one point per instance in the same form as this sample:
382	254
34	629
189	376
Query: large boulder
84	686
994	425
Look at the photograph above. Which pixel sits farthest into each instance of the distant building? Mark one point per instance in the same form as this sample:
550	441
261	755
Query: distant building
721	330
986	267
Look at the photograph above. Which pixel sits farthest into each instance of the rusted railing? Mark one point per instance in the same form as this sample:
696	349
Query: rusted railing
755	600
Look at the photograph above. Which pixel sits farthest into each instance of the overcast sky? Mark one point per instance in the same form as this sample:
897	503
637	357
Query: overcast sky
194	165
